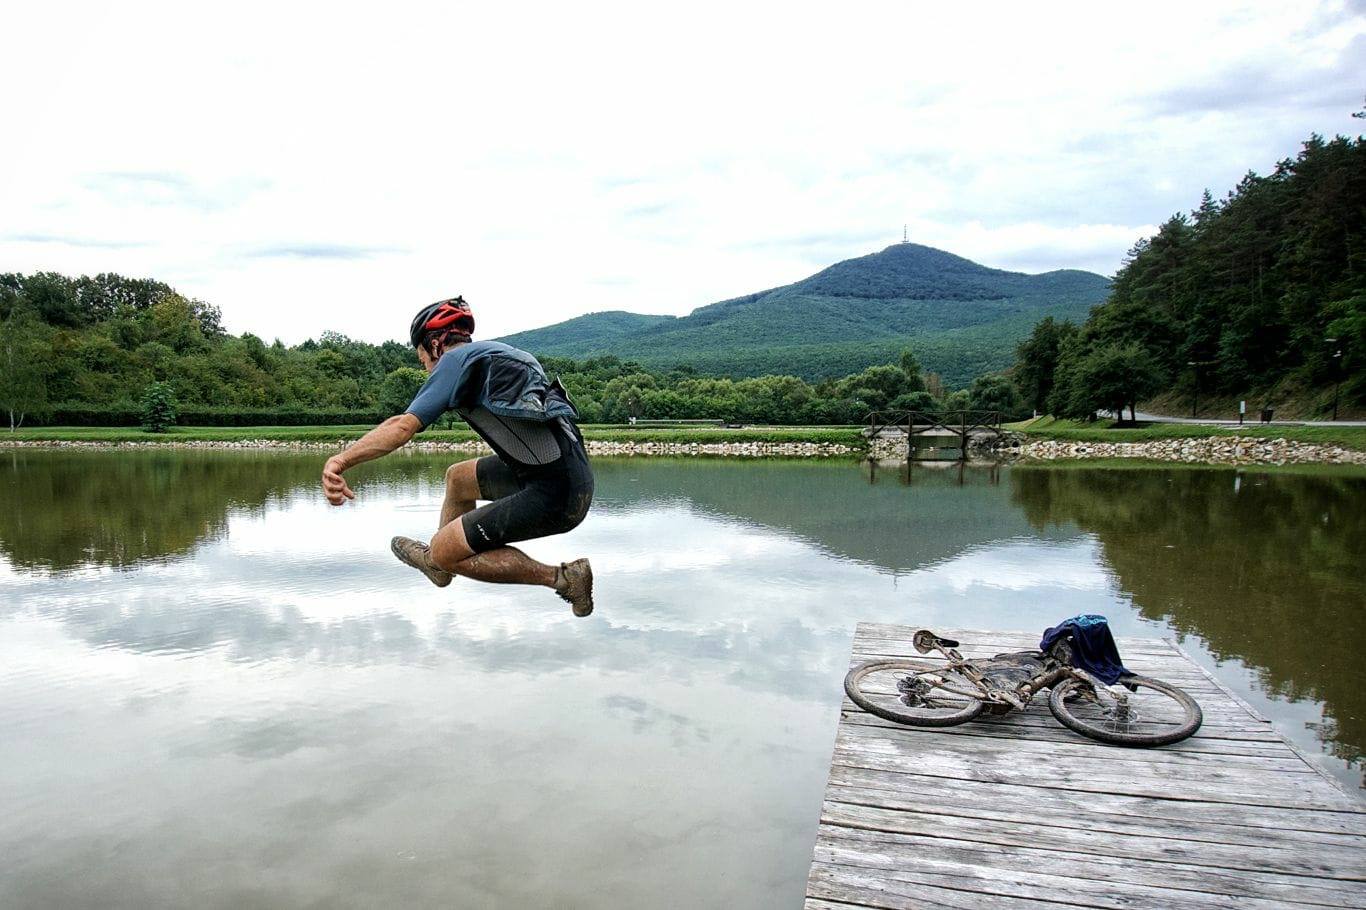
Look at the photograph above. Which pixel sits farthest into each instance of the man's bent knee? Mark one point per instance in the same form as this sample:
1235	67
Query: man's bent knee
449	546
462	479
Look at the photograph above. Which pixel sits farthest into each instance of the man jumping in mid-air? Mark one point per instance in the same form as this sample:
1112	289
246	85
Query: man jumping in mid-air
538	479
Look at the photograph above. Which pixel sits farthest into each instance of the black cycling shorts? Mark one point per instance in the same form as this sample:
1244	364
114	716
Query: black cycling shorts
530	501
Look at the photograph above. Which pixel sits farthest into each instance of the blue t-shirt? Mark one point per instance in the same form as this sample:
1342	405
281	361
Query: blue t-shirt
503	394
448	383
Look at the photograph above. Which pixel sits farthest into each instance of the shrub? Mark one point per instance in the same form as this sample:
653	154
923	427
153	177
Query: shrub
158	407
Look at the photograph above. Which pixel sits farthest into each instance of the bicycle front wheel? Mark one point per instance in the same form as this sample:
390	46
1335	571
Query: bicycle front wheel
913	692
1156	714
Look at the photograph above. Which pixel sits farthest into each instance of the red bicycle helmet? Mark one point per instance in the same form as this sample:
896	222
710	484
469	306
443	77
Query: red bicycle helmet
444	315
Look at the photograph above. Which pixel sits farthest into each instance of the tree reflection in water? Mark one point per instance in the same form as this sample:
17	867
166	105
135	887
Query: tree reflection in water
68	510
1264	567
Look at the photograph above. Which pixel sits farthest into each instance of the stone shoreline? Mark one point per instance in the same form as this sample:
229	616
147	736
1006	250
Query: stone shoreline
595	447
1222	450
1219	450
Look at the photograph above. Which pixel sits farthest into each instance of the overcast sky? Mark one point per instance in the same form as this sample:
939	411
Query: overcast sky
337	167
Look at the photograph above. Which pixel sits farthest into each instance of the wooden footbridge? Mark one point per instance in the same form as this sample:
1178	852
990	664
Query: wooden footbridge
1017	812
934	430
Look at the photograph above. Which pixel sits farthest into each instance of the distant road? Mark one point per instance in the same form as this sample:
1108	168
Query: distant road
1250	420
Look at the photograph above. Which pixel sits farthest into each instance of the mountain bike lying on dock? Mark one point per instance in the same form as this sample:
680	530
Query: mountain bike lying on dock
1137	711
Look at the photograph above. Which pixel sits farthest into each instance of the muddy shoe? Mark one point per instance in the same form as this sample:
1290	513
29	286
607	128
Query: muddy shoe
416	554
574	582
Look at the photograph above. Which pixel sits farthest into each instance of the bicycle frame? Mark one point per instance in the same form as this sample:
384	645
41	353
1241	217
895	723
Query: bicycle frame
1001	700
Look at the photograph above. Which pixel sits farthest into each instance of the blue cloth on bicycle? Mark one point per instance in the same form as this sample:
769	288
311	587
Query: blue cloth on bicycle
1093	647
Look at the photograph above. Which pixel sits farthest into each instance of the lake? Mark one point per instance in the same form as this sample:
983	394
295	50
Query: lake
217	691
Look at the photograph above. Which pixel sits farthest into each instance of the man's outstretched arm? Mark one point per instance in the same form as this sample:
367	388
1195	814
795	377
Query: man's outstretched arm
393	434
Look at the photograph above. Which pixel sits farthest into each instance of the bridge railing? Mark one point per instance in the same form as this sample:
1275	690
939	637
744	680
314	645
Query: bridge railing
961	422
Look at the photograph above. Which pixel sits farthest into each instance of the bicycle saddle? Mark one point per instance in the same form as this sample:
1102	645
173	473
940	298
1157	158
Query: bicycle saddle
925	641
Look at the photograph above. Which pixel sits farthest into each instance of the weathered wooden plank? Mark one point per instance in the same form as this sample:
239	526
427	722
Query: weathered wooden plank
946	808
1221	822
1149	662
1107	875
1001	641
1041	721
1289	790
1159	846
878	850
935	751
1077	747
1217	706
848	885
1055	733
1040	718
912	873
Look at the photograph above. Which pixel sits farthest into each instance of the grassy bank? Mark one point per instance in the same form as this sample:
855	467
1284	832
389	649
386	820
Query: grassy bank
1105	431
1041	428
190	434
1292	400
849	436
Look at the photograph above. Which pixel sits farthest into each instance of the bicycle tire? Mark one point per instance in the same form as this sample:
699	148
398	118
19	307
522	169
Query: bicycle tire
971	709
1192	716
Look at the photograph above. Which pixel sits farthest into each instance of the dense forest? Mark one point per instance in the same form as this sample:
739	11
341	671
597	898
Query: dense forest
1260	296
98	350
85	350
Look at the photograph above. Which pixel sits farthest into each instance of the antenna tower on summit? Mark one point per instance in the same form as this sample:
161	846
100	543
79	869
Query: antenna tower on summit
905	233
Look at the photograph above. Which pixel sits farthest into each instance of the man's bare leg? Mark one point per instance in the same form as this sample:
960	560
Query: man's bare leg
504	566
462	491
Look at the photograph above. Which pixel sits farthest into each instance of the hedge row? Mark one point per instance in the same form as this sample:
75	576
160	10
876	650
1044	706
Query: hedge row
130	415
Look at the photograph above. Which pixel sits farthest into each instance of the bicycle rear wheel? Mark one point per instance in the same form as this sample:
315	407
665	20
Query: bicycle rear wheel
1157	714
913	692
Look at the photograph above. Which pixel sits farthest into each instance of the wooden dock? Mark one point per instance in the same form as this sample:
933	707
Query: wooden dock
1018	811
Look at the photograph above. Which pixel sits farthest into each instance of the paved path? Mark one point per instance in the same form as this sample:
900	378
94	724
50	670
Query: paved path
1250	420
1018	812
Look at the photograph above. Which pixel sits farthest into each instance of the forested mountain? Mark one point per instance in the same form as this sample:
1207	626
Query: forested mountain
1260	295
961	318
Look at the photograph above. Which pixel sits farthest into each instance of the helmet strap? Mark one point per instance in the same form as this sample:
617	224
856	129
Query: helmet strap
435	343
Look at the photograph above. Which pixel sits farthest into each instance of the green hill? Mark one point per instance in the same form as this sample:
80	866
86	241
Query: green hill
596	329
961	319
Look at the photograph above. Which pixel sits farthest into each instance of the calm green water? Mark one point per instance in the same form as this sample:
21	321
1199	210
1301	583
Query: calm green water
215	690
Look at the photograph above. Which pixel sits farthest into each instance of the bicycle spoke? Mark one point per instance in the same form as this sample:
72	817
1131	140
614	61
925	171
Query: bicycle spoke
1151	712
928	695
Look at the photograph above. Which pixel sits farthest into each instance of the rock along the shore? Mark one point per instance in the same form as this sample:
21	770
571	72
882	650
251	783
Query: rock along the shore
1226	450
472	447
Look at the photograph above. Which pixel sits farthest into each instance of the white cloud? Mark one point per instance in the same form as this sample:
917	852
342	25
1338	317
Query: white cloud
309	169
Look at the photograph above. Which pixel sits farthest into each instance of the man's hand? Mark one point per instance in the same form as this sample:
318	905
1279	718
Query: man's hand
383	439
334	485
